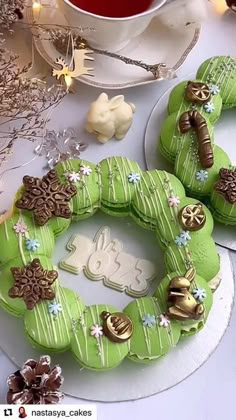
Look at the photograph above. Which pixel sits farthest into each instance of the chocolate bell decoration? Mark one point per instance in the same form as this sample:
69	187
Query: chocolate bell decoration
197	93
184	305
192	217
117	327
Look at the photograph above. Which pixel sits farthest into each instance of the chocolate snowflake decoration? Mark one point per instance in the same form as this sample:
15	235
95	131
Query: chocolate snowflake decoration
35	383
33	283
227	184
46	197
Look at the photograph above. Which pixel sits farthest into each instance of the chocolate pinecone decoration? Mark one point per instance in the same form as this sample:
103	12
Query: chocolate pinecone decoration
35	383
231	4
19	13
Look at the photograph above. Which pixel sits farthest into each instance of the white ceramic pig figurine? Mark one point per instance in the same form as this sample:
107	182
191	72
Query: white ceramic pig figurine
109	118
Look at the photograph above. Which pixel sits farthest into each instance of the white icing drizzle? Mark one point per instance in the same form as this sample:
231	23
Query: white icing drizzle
140	196
168	330
21	249
175	134
84	330
158	208
78	343
157	325
123	180
106	345
60	318
142	312
6	231
131	188
111	187
96	320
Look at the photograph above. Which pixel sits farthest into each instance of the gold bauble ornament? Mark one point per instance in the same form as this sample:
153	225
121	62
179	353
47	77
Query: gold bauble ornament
117	327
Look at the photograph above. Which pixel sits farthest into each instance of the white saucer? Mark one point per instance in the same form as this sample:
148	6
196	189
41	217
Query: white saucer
158	44
225	133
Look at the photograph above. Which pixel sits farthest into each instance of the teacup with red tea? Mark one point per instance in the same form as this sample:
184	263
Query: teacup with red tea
109	24
113	9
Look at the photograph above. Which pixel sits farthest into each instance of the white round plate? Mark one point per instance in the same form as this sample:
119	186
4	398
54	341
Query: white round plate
129	381
225	133
158	44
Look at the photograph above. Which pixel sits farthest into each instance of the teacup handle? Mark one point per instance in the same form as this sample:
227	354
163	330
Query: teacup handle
186	11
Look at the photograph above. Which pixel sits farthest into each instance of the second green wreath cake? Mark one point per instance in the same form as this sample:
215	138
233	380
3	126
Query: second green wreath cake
187	136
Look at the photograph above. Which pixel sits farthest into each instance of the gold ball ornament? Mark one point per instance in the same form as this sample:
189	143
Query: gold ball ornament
198	93
192	217
117	327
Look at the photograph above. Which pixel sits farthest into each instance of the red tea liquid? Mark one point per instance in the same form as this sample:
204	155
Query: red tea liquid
113	8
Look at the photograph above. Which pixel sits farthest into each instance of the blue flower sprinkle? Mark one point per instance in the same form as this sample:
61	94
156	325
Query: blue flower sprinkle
32	244
149	320
183	238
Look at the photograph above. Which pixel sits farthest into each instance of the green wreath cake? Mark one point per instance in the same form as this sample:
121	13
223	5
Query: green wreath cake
187	136
100	336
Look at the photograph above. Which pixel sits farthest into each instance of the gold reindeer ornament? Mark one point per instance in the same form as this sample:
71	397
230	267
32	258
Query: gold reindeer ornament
183	304
78	67
117	327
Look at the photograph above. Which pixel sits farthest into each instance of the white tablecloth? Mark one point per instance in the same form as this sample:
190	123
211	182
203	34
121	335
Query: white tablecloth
209	394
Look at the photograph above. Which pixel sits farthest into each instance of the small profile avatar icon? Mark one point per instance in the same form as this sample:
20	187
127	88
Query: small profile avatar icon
22	413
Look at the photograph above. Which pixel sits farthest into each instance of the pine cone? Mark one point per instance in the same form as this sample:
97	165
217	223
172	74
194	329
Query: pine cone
19	14
231	4
35	383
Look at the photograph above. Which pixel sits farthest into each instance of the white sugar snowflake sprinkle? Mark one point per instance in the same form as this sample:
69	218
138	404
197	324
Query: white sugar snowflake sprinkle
134	177
164	321
201	175
214	89
209	107
199	294
73	176
54	308
96	331
85	170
